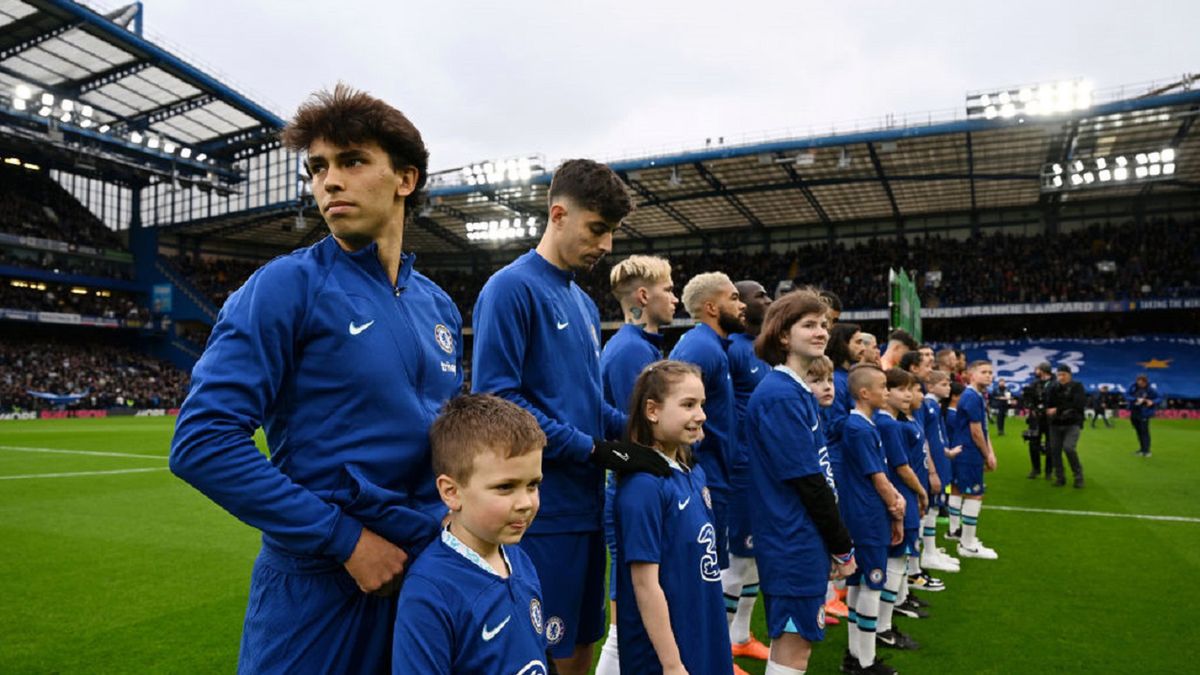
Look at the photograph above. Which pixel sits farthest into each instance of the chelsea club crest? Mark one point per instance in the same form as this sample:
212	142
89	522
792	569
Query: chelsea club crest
535	615
444	337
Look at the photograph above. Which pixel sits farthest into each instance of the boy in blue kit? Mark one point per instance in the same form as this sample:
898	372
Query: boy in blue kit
643	286
669	607
343	353
472	602
976	458
740	581
873	510
953	501
712	300
800	539
537	344
891	422
937	385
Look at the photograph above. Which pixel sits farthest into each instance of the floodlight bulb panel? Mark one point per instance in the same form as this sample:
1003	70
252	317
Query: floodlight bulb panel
1168	155
19	103
47	99
23	92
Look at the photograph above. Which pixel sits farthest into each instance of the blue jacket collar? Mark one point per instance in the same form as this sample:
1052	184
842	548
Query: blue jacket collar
705	328
655	339
367	258
545	268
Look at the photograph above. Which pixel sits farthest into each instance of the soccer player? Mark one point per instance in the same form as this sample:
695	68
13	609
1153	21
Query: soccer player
976	458
870	350
537	344
873	510
713	301
669	604
820	379
643	286
800	540
891	421
740	581
937	385
472	602
834	303
343	353
1141	409
845	349
945	360
953	501
900	342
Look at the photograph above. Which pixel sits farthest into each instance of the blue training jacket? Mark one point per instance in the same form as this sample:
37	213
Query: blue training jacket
625	355
718	452
345	373
537	344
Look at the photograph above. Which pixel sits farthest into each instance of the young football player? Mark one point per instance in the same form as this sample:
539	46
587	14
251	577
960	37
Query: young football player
937	386
976	458
953	501
822	379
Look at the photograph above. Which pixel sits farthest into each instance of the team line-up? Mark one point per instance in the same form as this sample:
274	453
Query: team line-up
407	526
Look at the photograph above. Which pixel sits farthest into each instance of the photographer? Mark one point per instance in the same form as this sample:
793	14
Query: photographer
1002	400
1033	398
1065	401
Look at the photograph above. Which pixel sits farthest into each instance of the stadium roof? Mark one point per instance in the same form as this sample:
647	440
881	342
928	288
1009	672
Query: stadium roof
894	170
144	104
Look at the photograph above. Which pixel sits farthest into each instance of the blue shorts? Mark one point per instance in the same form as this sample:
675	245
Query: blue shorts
741	541
307	615
720	508
804	616
571	569
968	478
907	546
872	567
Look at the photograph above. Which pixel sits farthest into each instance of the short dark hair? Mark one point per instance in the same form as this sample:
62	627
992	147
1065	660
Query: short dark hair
473	424
348	116
860	376
957	388
593	186
780	317
903	337
831	299
910	360
838	347
897	378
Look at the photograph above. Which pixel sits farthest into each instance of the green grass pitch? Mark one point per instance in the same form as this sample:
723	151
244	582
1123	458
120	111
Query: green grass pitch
110	564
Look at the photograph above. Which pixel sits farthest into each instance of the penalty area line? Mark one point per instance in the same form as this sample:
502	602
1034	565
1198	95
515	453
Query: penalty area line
90	453
1101	514
73	474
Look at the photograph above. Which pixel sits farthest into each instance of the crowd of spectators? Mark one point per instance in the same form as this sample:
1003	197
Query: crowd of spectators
47	297
108	376
32	204
215	277
65	264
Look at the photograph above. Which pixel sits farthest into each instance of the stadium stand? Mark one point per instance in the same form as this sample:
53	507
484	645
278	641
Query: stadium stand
33	205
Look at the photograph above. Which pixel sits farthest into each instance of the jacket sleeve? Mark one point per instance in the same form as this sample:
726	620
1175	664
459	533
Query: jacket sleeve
502	321
236	381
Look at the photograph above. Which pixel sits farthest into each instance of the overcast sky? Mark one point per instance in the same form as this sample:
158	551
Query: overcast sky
566	78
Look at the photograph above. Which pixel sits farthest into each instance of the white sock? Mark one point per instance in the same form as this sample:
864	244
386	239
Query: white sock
609	663
739	630
852	622
970	517
868	616
903	594
913	564
954	504
888	597
732	580
929	532
776	669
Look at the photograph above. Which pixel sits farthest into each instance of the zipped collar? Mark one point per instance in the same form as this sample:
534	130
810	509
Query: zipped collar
367	258
543	267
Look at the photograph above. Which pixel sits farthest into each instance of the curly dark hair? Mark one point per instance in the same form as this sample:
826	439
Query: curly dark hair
347	116
838	347
593	186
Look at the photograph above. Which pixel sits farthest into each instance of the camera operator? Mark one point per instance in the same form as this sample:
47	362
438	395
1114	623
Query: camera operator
1033	398
1065	401
1002	400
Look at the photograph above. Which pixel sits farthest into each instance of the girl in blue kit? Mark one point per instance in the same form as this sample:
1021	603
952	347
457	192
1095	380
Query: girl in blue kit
670	607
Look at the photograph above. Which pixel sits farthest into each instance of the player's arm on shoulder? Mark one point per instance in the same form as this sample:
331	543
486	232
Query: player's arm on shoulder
424	632
234	383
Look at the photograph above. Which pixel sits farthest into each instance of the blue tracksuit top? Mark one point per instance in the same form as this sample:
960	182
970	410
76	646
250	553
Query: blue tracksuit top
537	344
345	373
718	452
746	370
625	355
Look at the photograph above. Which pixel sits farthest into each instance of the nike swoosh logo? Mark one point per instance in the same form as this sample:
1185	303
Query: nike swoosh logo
355	330
489	634
816	425
624	456
563	324
754	369
683	504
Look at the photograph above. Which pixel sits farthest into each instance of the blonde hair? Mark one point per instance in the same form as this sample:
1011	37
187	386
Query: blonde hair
636	270
820	368
700	289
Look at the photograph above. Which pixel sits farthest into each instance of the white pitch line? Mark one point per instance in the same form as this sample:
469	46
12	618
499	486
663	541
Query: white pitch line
1103	514
82	473
92	453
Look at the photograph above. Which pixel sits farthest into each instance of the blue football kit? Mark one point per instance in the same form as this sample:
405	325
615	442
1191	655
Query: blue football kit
746	370
862	508
935	435
895	448
537	344
345	372
968	466
458	615
669	522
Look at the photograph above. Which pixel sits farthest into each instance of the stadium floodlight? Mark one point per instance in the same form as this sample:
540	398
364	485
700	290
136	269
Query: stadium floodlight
67	105
31	166
169	147
19	103
47	99
504	229
135	138
104	128
65	117
85	123
518	170
185	152
13	161
45	111
23	92
1031	100
1085	172
152	142
201	157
